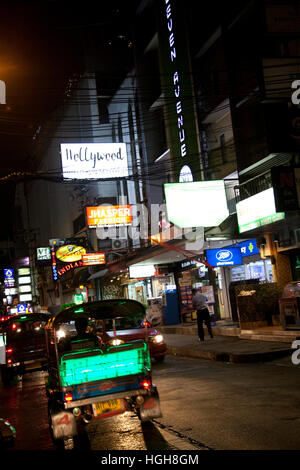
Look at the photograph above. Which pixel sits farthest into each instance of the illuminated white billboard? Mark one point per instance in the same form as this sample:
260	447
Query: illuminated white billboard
141	271
2	92
24	280
25	289
87	161
25	297
196	204
257	210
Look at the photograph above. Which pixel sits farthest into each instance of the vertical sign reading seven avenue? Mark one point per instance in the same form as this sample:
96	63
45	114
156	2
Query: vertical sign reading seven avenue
178	90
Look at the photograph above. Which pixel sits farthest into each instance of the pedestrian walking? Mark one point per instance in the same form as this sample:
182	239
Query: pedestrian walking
199	304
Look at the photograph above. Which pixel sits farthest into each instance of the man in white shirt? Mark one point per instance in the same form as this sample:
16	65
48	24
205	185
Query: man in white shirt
199	304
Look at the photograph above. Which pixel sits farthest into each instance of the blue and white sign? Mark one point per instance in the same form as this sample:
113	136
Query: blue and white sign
229	256
21	308
43	253
248	248
8	274
9	279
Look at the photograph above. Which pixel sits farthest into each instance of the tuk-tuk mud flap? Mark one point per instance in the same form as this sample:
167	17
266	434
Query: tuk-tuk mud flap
63	425
150	408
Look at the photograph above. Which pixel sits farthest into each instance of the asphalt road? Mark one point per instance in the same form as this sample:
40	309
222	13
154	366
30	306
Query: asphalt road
206	405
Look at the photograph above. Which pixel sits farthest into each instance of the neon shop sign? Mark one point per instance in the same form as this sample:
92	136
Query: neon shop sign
176	80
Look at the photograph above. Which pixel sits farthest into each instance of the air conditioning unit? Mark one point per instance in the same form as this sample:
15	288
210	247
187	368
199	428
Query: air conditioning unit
119	244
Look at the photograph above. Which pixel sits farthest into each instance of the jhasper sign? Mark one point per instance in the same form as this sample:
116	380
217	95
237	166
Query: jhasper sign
108	216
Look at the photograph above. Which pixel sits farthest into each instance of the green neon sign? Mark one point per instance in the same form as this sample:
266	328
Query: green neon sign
270	219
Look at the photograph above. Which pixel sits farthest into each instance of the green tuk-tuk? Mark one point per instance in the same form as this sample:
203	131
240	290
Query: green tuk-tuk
93	373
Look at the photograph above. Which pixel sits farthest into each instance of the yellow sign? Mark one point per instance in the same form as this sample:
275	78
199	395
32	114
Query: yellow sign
70	253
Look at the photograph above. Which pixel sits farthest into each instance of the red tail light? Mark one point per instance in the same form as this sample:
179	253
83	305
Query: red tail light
9	350
146	384
9	361
13	326
68	397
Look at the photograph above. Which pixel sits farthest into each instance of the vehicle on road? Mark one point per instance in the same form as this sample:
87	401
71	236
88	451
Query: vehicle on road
22	345
7	434
97	373
127	329
3	319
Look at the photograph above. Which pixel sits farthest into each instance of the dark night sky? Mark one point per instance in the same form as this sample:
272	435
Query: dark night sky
40	48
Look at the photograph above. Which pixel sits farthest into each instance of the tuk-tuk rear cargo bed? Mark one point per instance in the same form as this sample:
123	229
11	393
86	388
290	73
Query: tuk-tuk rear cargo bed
78	367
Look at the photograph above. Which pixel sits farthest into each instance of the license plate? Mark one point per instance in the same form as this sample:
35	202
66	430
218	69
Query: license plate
105	408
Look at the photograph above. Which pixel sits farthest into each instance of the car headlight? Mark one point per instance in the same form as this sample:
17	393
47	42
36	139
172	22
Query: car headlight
116	342
60	334
157	339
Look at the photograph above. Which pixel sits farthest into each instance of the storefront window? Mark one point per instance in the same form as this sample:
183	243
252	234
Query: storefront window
269	272
238	273
161	284
137	291
219	278
256	271
261	270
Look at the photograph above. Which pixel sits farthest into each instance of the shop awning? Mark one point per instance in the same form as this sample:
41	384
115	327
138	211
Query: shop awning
98	274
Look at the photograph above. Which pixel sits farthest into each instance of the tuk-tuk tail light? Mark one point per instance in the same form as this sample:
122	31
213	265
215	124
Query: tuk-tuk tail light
68	397
146	384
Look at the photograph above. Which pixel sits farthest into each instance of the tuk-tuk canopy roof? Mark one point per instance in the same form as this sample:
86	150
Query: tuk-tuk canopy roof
100	310
27	317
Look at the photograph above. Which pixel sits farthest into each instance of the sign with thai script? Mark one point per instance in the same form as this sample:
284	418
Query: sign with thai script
257	210
248	248
70	253
9	278
89	259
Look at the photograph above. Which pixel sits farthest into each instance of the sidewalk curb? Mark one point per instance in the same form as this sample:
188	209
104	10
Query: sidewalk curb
228	357
192	330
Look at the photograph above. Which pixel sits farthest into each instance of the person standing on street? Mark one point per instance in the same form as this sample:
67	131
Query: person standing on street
199	304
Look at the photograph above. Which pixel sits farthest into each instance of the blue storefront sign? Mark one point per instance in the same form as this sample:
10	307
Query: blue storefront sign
248	248
229	256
